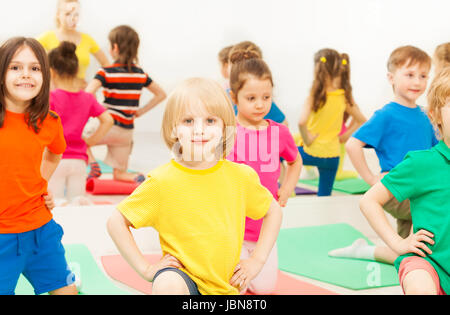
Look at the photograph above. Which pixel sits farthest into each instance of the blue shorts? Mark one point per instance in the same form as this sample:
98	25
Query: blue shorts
192	286
38	255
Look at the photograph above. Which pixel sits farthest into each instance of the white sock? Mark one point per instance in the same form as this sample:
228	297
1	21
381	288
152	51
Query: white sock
360	249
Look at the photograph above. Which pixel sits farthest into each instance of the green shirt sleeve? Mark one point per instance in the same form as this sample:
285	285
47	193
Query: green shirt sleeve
403	181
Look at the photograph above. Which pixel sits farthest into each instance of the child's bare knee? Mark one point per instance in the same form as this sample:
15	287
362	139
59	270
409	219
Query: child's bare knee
169	283
419	282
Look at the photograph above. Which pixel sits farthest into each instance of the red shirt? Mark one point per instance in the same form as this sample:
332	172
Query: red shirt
22	186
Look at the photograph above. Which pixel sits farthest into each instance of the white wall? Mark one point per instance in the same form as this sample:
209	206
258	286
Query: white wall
181	38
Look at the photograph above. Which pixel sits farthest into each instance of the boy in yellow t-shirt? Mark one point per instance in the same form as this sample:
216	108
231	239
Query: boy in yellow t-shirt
198	202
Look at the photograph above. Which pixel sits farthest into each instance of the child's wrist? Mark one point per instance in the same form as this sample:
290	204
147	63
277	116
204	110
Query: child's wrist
393	242
147	272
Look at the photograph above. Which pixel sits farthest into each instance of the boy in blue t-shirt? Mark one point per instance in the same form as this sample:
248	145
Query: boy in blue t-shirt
398	128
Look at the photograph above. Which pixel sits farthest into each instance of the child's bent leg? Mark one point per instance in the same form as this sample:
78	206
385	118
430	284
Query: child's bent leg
57	182
418	277
69	290
265	282
47	269
327	171
327	175
402	212
76	182
170	281
124	175
12	262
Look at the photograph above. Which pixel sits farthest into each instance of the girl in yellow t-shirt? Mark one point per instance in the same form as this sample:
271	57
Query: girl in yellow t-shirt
198	202
323	114
67	16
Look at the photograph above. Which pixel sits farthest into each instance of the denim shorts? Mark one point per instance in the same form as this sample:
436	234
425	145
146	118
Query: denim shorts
39	255
192	286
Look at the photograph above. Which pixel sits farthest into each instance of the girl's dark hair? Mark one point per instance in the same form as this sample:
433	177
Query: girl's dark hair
246	62
127	41
329	64
38	109
63	60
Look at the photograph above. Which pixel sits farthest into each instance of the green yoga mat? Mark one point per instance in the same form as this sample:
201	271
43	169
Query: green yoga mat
353	186
304	251
81	262
106	169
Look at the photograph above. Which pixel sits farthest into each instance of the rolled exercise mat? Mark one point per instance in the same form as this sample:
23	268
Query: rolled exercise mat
97	186
118	269
83	265
304	251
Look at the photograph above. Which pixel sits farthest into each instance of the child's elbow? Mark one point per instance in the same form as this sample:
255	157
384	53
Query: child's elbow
110	225
109	120
350	145
114	221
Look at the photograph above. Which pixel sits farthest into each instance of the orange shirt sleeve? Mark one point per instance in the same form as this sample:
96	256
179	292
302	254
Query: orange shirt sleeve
58	145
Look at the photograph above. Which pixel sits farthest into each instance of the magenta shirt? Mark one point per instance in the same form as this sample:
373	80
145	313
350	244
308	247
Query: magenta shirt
74	110
261	150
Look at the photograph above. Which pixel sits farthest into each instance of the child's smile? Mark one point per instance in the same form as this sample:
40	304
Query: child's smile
23	77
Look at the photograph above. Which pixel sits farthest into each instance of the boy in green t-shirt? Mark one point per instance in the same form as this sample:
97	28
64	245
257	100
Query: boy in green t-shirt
422	177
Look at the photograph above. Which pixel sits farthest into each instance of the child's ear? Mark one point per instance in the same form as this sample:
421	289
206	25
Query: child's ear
390	77
435	116
115	48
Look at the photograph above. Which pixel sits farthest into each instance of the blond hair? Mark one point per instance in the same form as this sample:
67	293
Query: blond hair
400	56
442	55
58	8
199	91
438	97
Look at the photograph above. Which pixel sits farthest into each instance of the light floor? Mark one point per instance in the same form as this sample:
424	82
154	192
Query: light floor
87	225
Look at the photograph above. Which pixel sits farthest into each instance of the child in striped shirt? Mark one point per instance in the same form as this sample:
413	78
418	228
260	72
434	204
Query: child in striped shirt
122	84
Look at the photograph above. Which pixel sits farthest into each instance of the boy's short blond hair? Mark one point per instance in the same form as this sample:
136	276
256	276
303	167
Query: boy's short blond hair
196	91
400	56
442	56
438	97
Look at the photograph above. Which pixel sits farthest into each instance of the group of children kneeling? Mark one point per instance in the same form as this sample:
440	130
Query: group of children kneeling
217	203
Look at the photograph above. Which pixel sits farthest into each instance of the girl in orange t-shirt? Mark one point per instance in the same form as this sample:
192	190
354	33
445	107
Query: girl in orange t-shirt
31	142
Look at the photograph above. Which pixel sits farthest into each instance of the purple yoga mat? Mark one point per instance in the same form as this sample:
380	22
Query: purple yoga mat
304	191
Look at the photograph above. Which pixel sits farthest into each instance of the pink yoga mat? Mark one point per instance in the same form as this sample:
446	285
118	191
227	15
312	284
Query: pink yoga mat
118	269
97	186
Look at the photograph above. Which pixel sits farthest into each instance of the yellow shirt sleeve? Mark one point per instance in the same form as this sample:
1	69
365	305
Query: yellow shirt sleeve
259	197
93	46
142	206
48	40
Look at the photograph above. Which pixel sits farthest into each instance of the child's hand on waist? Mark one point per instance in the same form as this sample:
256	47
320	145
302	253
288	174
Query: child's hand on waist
415	243
48	200
245	271
165	262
